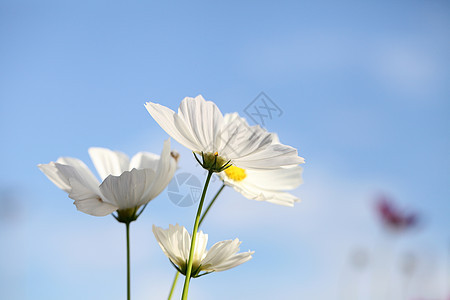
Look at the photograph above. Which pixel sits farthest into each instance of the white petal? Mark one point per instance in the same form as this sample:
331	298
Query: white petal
61	180
173	125
74	177
144	160
183	242
203	119
89	202
219	253
223	256
176	244
234	261
272	157
83	174
275	138
53	174
279	198
240	139
84	188
200	246
162	238
165	169
127	190
252	147
173	242
252	192
108	162
276	179
75	168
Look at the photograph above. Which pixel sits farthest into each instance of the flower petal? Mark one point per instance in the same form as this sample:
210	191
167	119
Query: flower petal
258	193
183	241
61	179
252	147
173	125
78	172
108	162
234	261
172	242
83	187
163	240
219	253
204	120
276	179
223	256
165	169
201	240
74	177
83	174
240	139
144	160
271	157
89	202
55	176
128	189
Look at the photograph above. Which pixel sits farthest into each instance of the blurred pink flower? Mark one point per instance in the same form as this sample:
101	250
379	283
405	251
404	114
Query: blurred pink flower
392	217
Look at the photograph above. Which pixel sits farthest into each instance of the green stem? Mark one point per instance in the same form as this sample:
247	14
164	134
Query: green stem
128	260
199	223
174	284
194	236
211	204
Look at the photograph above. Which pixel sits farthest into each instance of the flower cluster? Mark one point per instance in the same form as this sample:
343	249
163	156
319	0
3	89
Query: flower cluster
247	158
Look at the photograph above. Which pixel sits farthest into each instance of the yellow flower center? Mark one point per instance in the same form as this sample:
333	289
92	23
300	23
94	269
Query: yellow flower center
235	173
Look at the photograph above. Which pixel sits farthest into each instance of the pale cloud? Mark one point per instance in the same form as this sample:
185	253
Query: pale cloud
404	66
407	68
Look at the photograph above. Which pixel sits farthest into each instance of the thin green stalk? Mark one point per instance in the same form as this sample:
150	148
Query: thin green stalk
199	223
128	260
174	284
211	204
194	235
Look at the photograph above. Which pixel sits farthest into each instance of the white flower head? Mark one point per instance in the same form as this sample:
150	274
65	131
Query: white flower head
221	141
176	243
126	184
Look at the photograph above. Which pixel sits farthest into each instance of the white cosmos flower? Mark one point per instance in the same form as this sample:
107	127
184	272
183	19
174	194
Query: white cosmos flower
176	243
200	126
126	184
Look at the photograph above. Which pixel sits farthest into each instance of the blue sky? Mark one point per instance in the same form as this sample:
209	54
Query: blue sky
365	98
